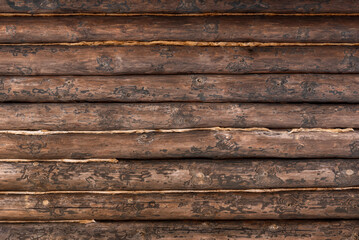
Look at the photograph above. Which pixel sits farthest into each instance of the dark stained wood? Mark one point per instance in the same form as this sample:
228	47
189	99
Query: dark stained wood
187	144
196	230
184	88
179	6
181	206
113	60
225	28
178	174
120	116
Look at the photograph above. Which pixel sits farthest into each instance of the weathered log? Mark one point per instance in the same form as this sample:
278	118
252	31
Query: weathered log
179	6
181	206
235	143
178	174
183	88
120	116
196	230
112	60
331	29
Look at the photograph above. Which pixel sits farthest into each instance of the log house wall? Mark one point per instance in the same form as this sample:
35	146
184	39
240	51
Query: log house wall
180	119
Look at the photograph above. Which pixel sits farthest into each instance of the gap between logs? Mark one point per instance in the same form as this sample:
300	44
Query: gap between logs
171	14
110	160
52	221
179	43
294	130
264	190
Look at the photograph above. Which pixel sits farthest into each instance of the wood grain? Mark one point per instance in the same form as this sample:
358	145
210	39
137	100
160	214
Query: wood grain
183	144
114	60
196	230
179	6
332	29
320	88
120	116
181	174
181	206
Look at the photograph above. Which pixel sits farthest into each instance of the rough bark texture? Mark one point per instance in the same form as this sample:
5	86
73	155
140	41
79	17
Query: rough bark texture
196	230
181	206
187	144
188	88
113	60
179	6
178	174
224	28
117	116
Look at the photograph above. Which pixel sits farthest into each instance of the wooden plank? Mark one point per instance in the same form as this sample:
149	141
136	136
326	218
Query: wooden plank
178	174
183	88
119	116
235	143
112	60
331	29
179	6
196	230
181	206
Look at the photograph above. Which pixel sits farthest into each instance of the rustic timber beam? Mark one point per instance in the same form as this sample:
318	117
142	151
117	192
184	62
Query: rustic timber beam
181	143
158	59
321	88
340	204
196	230
120	116
184	174
287	29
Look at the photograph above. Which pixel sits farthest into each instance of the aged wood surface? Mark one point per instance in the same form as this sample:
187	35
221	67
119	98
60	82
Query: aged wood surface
179	6
151	28
181	144
181	206
121	116
159	59
183	88
196	230
181	174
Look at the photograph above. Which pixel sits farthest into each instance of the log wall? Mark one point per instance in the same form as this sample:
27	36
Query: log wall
179	119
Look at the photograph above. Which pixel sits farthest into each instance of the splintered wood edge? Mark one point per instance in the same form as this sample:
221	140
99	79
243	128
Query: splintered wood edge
263	190
140	131
180	43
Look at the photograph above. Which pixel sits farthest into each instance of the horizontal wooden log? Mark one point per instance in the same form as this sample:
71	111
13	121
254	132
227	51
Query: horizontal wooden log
235	143
112	60
191	88
181	206
196	230
178	174
120	116
332	29
178	6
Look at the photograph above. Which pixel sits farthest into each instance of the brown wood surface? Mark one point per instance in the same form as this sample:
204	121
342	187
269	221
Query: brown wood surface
179	6
120	116
184	174
181	206
196	230
187	144
113	60
151	28
183	88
